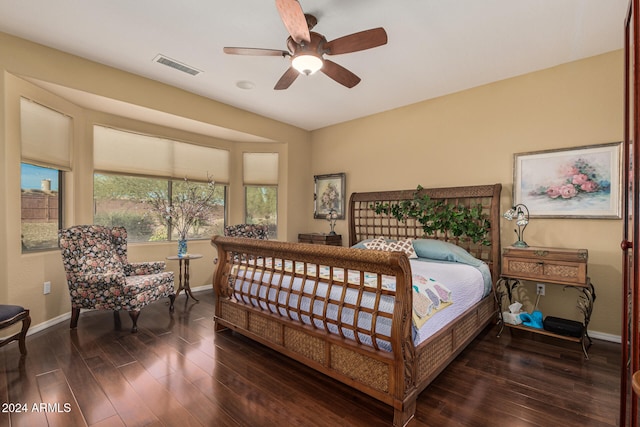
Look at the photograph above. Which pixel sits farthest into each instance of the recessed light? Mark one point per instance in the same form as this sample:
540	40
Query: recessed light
245	84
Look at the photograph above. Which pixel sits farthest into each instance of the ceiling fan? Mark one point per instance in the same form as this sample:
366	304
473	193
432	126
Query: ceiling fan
307	48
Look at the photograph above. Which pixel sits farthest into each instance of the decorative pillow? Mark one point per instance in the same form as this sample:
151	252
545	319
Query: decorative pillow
362	244
377	244
405	246
380	244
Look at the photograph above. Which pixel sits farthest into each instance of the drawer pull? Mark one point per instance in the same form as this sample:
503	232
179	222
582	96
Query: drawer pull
541	253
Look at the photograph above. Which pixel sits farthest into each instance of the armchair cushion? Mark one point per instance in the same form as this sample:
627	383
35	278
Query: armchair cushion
141	268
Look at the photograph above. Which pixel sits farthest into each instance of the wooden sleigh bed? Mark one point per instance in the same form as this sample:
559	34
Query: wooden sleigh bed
301	299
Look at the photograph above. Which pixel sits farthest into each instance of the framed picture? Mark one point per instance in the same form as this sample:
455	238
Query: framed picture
329	195
580	182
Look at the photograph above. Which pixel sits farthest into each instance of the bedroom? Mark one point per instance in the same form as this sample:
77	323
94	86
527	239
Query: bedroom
573	104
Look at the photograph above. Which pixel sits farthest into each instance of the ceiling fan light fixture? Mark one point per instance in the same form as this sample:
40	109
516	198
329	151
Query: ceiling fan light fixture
307	63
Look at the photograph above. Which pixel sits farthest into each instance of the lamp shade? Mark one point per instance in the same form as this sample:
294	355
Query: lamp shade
307	63
520	213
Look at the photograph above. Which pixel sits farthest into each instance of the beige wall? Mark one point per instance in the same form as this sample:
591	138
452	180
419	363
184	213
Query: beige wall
22	276
470	137
461	139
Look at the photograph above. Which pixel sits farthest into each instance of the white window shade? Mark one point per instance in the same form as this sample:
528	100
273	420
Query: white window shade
127	152
260	168
200	163
46	135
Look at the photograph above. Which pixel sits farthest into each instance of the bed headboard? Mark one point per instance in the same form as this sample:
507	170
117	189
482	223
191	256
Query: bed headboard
364	223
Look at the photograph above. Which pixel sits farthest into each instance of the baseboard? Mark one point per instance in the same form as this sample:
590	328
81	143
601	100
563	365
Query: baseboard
203	288
605	337
51	322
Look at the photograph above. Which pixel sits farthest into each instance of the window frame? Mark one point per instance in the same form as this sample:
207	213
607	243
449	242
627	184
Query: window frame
60	198
169	181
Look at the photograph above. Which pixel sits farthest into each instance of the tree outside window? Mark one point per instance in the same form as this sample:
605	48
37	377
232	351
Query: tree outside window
123	200
261	204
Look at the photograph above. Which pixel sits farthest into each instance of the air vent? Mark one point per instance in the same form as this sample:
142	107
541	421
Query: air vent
161	59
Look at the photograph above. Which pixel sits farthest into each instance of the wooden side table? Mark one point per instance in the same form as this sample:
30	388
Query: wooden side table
183	275
320	239
557	266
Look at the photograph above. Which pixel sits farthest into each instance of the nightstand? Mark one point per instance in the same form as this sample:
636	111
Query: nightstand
556	266
320	239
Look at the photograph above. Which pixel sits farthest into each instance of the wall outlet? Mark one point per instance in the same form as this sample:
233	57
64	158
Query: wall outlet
47	287
540	289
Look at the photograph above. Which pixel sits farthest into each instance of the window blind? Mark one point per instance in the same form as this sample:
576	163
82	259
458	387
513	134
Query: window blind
45	135
128	152
260	168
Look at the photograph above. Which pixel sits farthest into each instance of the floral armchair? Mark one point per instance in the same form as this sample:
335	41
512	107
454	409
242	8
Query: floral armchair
251	231
100	276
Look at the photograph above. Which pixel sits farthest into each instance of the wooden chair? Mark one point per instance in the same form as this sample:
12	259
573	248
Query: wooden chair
10	315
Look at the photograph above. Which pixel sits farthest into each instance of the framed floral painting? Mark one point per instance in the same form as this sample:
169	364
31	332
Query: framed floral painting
329	196
579	182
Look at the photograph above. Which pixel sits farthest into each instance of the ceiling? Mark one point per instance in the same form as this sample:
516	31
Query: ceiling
435	47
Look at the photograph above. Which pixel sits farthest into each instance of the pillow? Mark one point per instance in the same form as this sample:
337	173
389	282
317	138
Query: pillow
362	244
380	244
440	250
377	244
403	245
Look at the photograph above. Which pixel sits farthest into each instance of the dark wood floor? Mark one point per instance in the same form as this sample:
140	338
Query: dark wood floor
178	372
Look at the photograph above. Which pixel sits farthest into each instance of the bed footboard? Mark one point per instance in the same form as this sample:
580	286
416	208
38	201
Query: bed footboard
272	292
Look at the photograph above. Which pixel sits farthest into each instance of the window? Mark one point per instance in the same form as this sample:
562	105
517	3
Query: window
215	219
261	207
40	207
260	177
132	168
45	146
123	200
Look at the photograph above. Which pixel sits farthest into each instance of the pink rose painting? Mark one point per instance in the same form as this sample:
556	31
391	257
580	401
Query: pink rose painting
581	182
573	179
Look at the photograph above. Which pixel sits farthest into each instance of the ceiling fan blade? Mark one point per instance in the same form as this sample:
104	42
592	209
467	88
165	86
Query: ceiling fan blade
340	74
287	78
255	51
357	41
294	20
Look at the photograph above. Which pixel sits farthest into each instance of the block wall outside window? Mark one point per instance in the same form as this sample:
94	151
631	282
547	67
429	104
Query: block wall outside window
40	207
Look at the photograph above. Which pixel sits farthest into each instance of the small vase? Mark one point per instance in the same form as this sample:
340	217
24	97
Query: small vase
182	247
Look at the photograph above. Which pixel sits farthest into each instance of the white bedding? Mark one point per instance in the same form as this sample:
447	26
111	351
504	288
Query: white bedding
465	282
